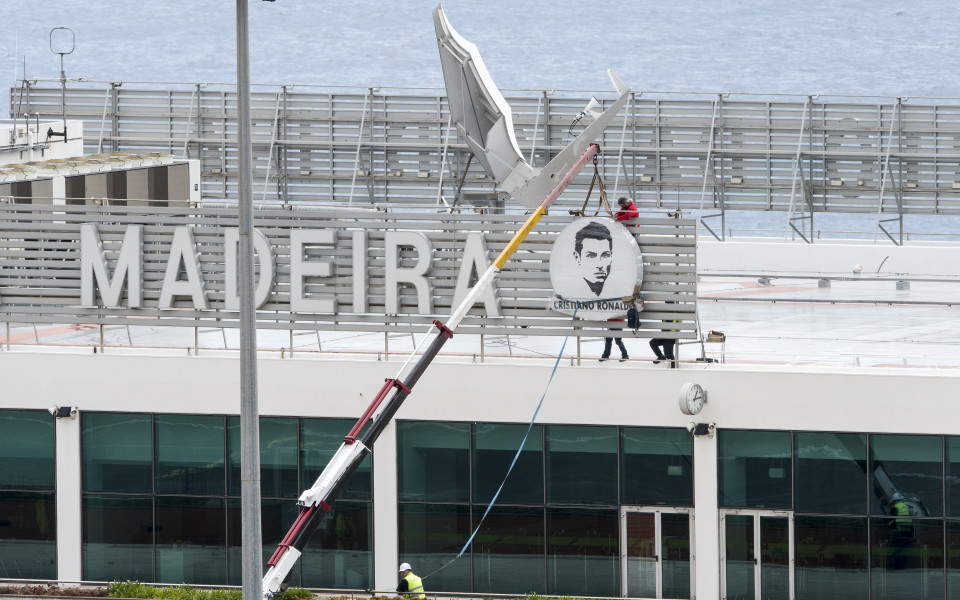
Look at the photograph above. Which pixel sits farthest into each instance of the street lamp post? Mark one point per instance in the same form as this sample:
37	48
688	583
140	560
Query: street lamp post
252	546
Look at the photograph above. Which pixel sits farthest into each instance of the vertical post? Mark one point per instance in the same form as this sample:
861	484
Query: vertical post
63	98
706	525
69	519
386	517
252	561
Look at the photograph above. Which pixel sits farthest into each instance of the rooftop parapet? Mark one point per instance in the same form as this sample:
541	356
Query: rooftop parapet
34	141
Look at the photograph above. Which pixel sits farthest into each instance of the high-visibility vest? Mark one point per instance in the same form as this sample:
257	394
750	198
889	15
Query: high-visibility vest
414	587
903	510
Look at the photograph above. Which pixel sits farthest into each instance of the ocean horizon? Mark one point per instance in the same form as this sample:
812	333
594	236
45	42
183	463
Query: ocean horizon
876	50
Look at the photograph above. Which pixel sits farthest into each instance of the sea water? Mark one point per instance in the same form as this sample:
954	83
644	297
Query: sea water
879	49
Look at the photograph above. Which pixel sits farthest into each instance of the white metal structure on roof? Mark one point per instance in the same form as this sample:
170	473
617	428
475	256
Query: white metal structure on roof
800	156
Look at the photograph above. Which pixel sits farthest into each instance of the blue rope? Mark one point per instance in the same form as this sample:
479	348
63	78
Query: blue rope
577	305
519	450
529	428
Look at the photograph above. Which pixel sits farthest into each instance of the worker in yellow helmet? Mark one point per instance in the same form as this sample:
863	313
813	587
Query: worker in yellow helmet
410	585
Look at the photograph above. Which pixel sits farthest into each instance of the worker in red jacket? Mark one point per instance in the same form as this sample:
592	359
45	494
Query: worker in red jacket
628	210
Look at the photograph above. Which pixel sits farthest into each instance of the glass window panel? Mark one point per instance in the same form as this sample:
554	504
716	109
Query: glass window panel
831	473
191	540
830	558
581	465
953	559
494	448
508	551
117	452
656	466
774	554
278	457
27	450
906	559
641	559
28	535
675	550
740	565
276	518
431	535
319	441
583	552
190	454
953	477
434	461
118	538
339	554
755	469
906	475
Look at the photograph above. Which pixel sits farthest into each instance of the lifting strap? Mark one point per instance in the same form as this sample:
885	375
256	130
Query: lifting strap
603	204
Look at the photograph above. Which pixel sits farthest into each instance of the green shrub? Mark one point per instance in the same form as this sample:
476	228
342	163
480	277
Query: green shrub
135	589
128	589
534	596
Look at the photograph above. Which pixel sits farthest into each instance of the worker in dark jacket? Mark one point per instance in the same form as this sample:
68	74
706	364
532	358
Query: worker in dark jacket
608	345
663	347
410	585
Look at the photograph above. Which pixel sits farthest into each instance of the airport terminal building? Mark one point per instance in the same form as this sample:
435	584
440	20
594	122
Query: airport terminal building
824	463
794	480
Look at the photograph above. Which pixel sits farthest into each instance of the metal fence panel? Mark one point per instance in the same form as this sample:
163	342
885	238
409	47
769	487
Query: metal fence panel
40	269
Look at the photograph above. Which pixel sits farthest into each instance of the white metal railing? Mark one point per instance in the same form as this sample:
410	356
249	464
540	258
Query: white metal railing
823	234
212	341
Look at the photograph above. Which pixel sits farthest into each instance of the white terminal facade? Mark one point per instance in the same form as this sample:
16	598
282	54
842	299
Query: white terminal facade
805	480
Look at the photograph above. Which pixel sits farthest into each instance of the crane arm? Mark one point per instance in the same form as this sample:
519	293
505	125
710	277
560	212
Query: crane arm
316	501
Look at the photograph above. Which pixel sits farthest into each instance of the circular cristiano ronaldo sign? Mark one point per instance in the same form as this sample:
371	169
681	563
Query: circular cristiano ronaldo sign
594	264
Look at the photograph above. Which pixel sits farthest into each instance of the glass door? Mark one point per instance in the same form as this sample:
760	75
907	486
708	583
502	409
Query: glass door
655	552
757	555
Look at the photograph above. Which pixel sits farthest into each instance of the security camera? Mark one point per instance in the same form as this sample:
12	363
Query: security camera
699	429
64	412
